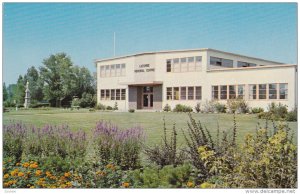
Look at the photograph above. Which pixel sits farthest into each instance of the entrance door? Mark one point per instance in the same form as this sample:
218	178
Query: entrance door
147	97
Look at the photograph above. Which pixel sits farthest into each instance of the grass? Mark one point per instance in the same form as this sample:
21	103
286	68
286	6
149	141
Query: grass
152	122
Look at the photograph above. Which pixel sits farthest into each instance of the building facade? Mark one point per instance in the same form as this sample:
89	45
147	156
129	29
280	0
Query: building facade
152	80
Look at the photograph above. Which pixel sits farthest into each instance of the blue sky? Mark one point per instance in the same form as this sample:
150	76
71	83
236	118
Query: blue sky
34	31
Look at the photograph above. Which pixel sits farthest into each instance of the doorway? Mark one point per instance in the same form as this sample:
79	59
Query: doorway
147	97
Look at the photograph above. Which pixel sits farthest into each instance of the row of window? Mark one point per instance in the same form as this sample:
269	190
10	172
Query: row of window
256	91
215	61
113	94
184	93
185	64
114	70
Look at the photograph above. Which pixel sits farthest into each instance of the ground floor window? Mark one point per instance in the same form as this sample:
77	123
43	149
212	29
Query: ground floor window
283	91
215	92
241	89
113	94
232	92
190	93
176	93
272	91
184	93
169	93
107	92
198	93
223	93
123	94
102	95
252	92
262	90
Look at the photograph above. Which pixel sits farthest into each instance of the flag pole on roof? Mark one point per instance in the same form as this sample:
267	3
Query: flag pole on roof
114	44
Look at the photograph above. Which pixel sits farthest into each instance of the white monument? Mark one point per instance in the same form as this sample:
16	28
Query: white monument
27	96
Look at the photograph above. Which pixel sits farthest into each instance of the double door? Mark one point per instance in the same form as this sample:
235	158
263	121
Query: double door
147	97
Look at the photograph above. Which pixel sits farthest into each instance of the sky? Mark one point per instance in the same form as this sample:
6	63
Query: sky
33	31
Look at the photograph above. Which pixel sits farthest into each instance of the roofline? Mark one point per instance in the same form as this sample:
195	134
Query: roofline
185	50
256	67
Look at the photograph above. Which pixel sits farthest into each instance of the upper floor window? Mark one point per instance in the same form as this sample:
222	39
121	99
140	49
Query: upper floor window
176	65
184	67
221	62
169	65
198	63
245	64
185	64
113	70
191	64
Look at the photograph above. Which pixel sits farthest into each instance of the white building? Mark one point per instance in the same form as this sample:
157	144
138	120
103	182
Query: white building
152	80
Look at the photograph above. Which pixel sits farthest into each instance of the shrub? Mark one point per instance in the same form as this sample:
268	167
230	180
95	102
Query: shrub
278	111
109	108
209	106
182	108
100	106
257	110
167	153
75	102
131	110
220	108
237	106
116	106
167	108
122	147
87	100
198	107
292	115
9	103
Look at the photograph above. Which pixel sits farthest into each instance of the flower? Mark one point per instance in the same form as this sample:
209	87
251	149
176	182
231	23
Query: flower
18	164
100	173
110	166
67	174
6	176
190	184
125	184
33	166
69	184
38	172
14	172
32	187
20	174
206	185
6	185
48	174
26	164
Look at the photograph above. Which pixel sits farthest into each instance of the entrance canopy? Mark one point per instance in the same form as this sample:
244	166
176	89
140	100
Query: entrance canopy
142	83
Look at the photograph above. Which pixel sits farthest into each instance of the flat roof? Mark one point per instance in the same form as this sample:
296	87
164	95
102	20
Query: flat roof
186	50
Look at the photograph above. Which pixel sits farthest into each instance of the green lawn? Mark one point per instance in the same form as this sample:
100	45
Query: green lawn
152	122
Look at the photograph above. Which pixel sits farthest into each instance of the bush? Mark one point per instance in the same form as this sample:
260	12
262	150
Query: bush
277	110
167	153
198	107
131	110
109	108
40	105
220	108
9	103
116	106
182	108
237	106
100	106
167	108
209	106
257	110
292	116
87	100
121	147
75	102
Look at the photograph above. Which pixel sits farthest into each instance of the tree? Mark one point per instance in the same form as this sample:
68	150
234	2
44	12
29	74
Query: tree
5	93
35	84
56	76
20	91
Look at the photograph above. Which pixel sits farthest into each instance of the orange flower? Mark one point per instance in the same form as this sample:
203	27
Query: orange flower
38	172
6	184
20	174
26	164
32	187
48	174
33	165
14	173
190	184
69	184
18	164
110	166
6	176
67	174
125	184
53	177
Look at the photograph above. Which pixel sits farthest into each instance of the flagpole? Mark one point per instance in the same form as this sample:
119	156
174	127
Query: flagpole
114	44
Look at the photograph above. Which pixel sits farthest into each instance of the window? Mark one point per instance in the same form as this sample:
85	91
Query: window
190	93
215	92
102	71
183	93
176	65
241	89
245	64
223	94
118	69
169	65
123	94
283	91
262	89
272	91
107	97
198	93
252	92
112	94
191	64
102	94
232	92
107	71
112	70
176	93
169	93
123	69
215	61
198	63
227	63
118	94
184	67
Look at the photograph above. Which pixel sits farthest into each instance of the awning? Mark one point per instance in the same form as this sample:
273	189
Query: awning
142	83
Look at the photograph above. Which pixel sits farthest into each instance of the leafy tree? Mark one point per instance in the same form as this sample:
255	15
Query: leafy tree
5	93
35	84
20	91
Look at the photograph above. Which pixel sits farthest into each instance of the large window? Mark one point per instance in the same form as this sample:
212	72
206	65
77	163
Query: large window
123	94
169	93
221	62
107	92
215	92
223	92
182	93
169	65
241	93
272	91
176	93
102	94
198	63
190	93
252	92
184	67
118	94
283	91
176	65
198	92
112	94
262	89
232	92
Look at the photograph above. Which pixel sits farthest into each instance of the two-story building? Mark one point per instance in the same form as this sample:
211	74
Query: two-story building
153	79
